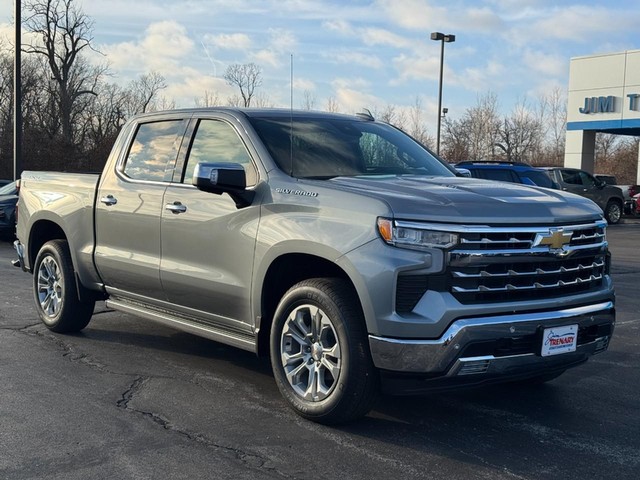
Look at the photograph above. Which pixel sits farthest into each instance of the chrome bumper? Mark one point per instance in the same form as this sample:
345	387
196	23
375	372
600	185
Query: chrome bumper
447	355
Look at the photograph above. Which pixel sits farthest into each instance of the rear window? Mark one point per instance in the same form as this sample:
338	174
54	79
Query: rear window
154	150
542	179
499	174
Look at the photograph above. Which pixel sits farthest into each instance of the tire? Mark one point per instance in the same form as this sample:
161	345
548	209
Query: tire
320	352
55	291
613	212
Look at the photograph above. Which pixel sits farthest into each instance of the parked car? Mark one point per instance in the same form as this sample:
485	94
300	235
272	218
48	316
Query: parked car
628	191
634	206
335	244
8	202
609	198
608	179
515	172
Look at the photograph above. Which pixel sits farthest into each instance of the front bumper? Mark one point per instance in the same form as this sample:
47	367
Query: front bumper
496	346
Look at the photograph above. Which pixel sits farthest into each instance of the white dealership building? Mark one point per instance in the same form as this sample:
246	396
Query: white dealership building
604	96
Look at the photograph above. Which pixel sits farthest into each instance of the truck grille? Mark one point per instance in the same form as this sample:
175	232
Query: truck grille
503	265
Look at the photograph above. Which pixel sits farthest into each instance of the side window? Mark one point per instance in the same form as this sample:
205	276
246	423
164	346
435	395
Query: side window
571	177
154	150
217	142
587	180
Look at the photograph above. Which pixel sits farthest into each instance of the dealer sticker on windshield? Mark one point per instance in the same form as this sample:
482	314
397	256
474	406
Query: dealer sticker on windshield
559	340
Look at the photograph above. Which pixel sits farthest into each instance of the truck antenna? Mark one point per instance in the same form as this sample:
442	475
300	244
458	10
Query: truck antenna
291	118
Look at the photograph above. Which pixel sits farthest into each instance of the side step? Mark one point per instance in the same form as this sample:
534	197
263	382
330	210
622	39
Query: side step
235	339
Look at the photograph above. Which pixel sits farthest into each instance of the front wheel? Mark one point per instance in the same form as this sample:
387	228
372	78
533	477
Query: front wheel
320	353
613	212
54	285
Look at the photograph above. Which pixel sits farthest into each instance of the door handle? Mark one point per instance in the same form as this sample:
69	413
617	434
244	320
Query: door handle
109	200
176	207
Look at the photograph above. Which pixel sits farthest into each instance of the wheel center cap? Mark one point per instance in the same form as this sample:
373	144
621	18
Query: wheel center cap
316	351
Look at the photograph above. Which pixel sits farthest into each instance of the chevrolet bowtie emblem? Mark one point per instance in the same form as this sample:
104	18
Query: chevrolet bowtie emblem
555	239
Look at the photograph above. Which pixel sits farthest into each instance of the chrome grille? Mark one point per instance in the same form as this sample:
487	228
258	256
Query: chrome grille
501	265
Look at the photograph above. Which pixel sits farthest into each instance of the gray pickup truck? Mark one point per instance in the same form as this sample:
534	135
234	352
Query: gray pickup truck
335	244
609	198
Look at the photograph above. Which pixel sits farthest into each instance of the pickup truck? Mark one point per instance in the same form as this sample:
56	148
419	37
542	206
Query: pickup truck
609	198
337	245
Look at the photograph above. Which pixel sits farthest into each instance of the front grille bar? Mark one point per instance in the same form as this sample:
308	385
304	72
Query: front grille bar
537	271
536	286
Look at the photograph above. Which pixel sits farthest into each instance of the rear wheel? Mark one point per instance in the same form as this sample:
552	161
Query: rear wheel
320	353
56	297
613	212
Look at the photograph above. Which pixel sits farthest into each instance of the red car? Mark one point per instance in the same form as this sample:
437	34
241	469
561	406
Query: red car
635	205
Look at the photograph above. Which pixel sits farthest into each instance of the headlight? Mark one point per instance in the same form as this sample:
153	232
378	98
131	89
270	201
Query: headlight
415	236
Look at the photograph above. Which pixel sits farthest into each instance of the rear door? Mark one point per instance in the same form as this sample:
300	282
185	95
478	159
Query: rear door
129	207
207	242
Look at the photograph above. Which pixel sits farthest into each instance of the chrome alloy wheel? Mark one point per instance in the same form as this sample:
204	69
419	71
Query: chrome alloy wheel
50	286
310	353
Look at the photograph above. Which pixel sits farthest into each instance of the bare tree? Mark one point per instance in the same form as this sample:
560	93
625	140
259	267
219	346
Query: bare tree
143	93
520	134
308	100
552	109
262	100
234	101
416	125
332	105
475	135
209	99
64	33
247	77
391	115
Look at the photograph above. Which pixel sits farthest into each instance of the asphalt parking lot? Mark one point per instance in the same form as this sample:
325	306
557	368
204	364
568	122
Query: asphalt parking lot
129	399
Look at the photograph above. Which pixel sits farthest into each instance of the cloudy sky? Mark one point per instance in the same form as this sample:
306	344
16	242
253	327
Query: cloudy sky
359	53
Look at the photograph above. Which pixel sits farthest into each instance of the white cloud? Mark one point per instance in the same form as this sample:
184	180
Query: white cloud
340	26
379	36
281	39
281	45
189	84
304	84
547	64
349	83
417	68
161	49
267	57
579	23
229	41
356	58
355	100
421	15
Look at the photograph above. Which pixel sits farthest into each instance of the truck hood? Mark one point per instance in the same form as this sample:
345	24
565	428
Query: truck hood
470	200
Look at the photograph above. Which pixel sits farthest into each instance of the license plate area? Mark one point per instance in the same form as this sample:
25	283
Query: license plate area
559	340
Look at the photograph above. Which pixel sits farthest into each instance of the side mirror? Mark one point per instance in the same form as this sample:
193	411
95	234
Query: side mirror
463	172
219	178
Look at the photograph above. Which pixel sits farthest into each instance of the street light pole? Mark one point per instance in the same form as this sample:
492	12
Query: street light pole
448	38
17	94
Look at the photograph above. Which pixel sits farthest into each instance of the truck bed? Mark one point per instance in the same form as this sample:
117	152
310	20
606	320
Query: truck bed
66	201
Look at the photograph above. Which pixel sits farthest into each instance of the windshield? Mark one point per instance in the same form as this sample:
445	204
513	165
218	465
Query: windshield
8	189
327	147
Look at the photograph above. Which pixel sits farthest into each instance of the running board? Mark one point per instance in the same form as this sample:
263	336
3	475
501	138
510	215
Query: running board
239	340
